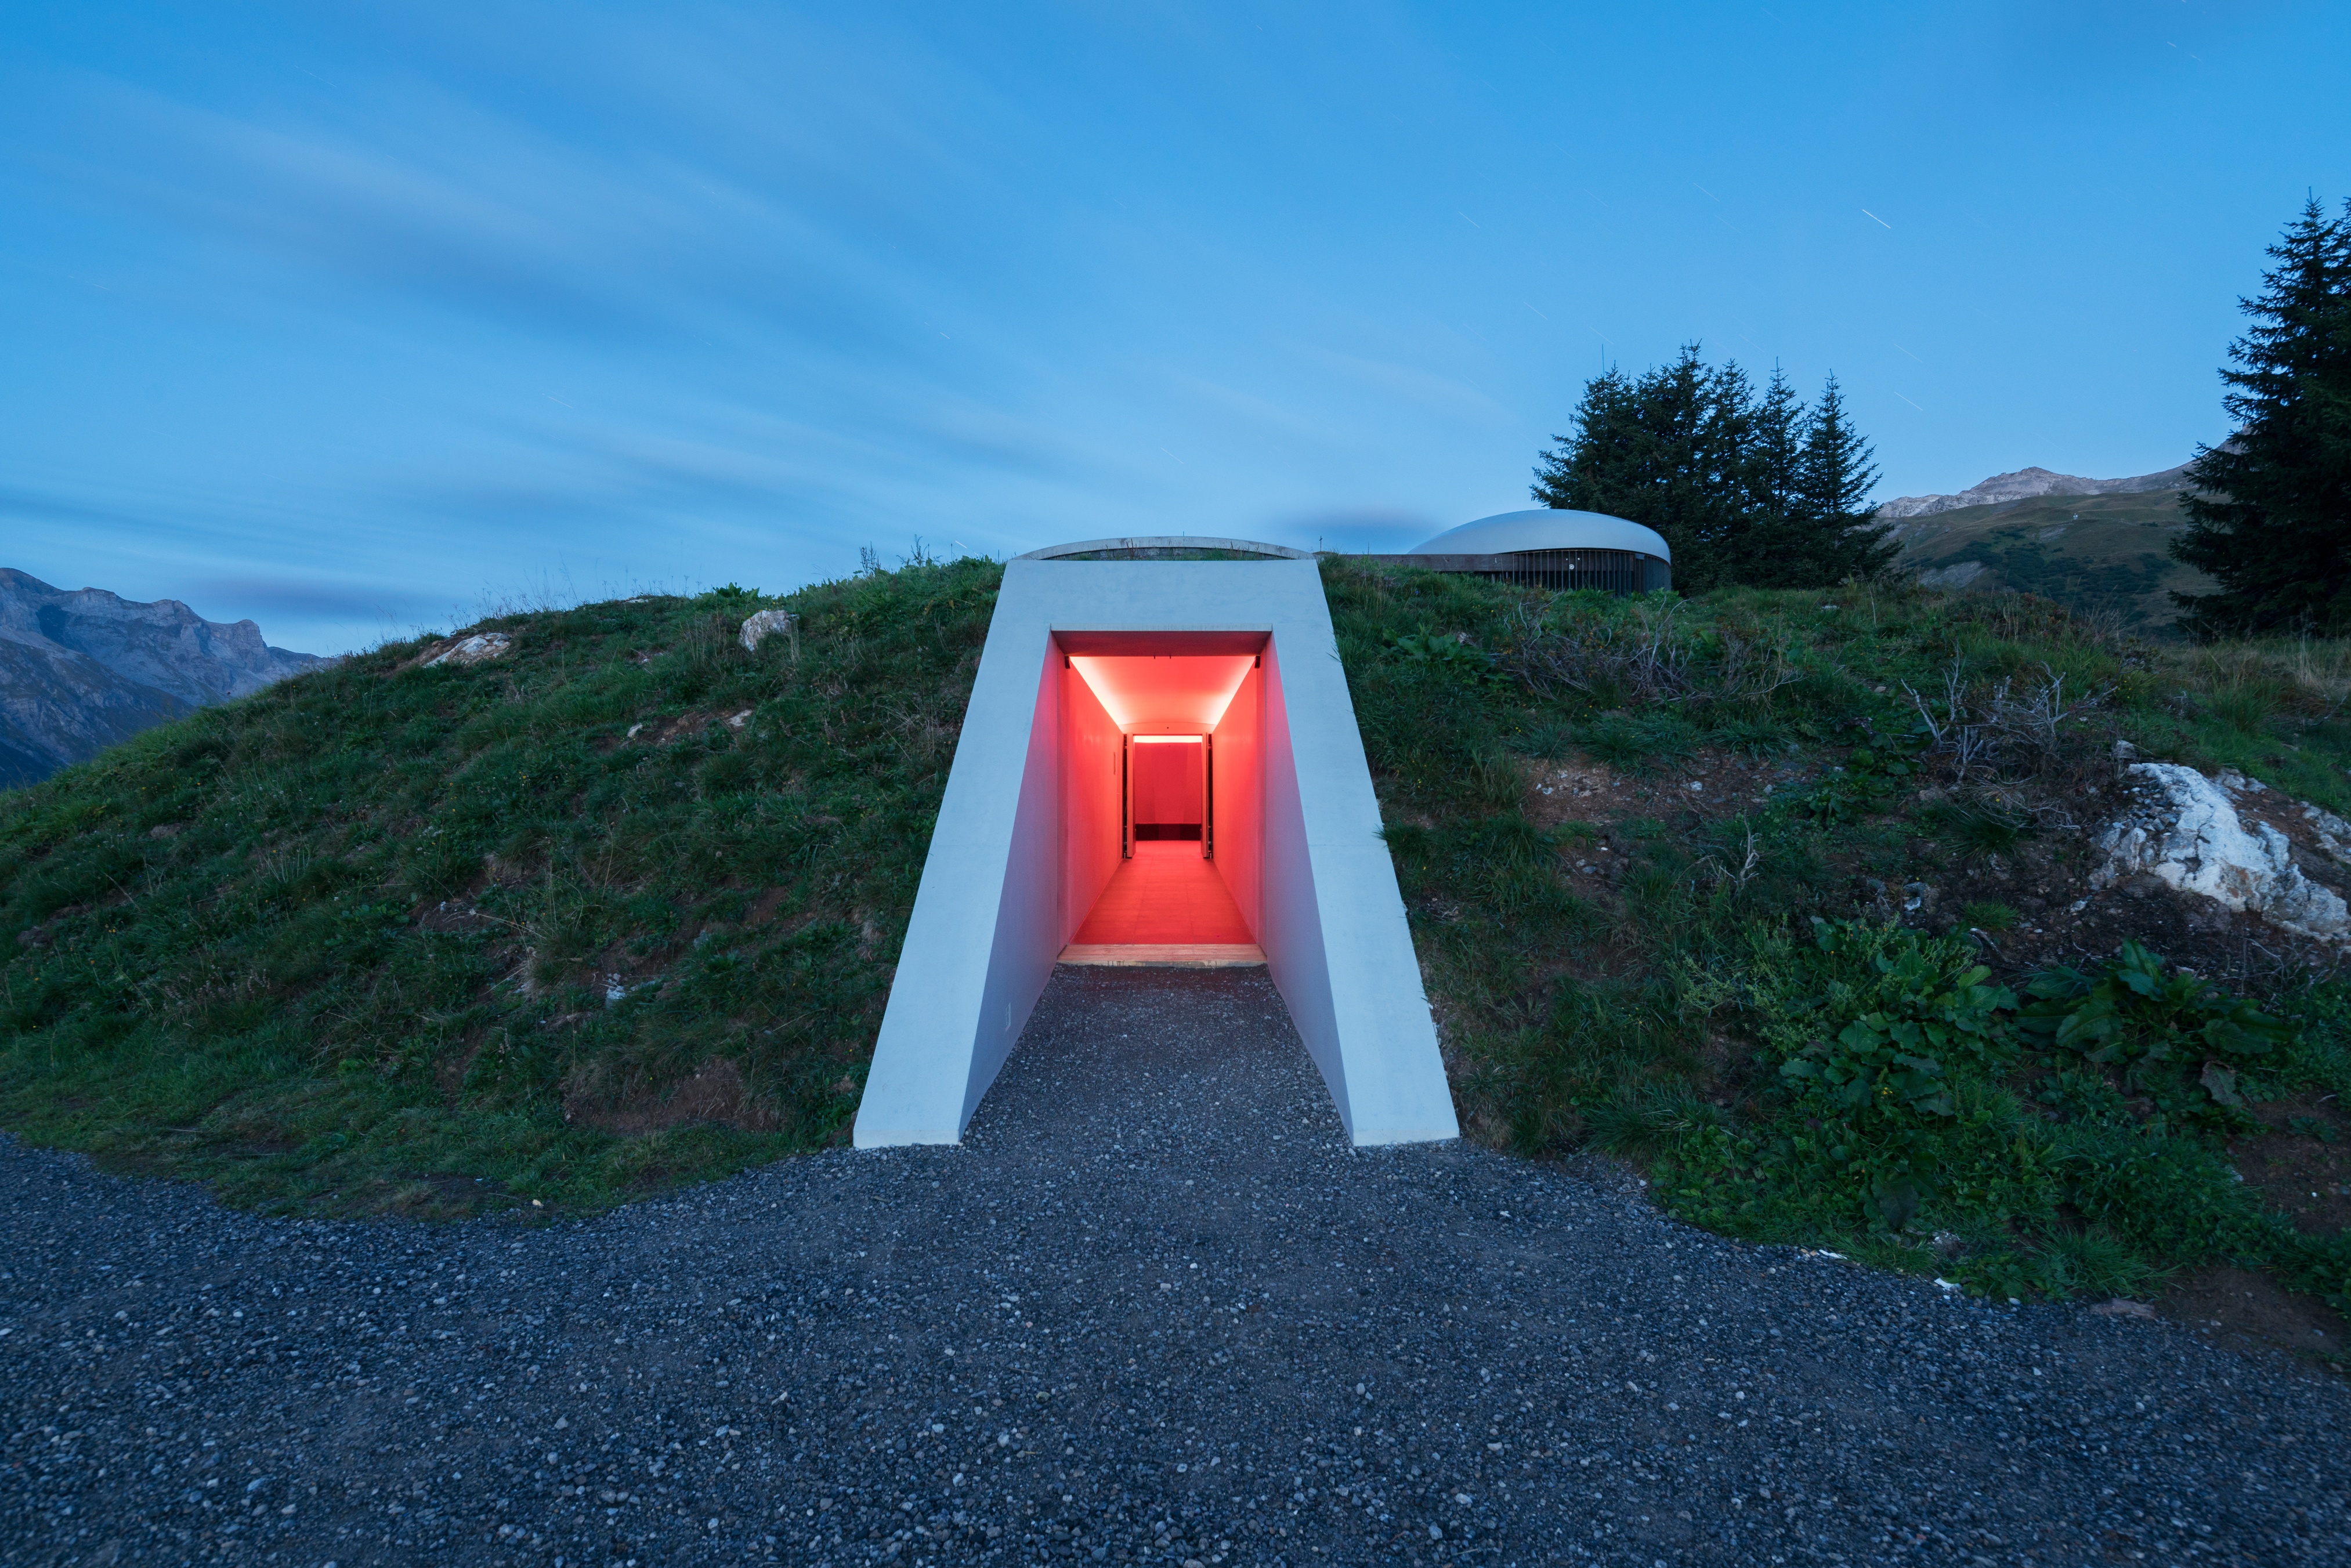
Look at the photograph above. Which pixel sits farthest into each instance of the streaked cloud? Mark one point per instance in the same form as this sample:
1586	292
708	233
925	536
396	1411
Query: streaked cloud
303	304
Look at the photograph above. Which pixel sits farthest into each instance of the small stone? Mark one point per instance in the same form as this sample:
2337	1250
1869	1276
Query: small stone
2118	1307
478	649
758	628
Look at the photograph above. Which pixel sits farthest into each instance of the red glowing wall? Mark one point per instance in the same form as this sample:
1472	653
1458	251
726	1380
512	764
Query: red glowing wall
1168	786
1240	797
1091	835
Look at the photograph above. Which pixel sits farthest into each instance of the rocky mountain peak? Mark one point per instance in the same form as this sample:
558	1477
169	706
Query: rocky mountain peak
2025	484
83	668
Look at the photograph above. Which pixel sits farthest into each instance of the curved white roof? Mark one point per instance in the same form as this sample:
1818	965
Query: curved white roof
1169	541
1546	528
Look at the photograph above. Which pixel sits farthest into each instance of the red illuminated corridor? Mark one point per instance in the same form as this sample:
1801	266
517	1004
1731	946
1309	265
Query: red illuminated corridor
1166	893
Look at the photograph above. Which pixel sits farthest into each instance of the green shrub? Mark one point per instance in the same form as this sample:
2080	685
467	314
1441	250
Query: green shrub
2171	1036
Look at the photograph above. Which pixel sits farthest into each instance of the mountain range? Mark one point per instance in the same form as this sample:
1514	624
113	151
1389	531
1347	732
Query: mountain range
2031	484
2100	547
81	669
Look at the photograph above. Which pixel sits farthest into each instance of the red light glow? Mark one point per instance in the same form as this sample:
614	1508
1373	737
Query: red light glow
1182	692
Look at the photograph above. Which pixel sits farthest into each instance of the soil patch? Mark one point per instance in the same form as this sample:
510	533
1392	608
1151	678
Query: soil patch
2243	1310
2302	1164
714	1093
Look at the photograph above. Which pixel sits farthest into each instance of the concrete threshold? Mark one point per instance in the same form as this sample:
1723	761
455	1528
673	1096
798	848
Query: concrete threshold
1166	955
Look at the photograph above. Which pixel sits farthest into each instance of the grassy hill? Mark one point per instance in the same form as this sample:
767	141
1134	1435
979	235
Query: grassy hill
1689	884
2100	555
612	910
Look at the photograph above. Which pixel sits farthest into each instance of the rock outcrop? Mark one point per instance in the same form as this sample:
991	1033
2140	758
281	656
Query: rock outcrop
478	649
2184	830
758	628
81	669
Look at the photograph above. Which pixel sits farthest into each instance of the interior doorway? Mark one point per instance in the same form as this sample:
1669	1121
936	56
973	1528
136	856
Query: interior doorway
1162	820
1169	786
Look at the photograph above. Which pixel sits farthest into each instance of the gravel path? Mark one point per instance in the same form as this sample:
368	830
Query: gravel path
1152	1310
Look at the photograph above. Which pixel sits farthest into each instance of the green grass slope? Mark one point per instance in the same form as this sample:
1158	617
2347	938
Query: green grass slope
2104	556
1690	882
1691	886
615	910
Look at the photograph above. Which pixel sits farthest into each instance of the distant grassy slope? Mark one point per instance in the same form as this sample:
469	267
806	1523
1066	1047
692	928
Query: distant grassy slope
389	937
2097	555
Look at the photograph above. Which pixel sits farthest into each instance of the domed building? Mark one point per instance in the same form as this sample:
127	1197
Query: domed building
1553	548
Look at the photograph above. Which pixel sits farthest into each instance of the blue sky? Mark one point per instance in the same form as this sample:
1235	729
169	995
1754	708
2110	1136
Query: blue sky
352	319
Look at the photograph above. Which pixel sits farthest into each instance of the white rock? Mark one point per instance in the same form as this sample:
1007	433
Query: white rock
758	628
2333	832
2183	831
475	649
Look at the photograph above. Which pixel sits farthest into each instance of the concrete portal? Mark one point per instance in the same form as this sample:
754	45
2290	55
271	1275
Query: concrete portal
1160	759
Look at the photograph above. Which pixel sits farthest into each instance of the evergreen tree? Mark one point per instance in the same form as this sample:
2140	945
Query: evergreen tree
2270	517
1761	491
1592	470
1771	488
1837	538
1667	451
1776	452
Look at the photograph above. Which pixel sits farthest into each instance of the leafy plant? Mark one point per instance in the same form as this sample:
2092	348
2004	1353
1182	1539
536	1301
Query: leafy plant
2312	1127
2173	1035
1884	1070
1456	654
1869	779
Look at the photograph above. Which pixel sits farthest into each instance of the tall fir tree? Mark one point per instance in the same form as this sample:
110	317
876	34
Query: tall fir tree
1667	451
1839	537
2269	515
1771	487
1745	489
1776	451
1595	465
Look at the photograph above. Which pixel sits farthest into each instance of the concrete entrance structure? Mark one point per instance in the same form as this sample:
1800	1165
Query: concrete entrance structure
1083	657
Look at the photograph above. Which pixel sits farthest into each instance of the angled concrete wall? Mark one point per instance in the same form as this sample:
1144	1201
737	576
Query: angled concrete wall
991	915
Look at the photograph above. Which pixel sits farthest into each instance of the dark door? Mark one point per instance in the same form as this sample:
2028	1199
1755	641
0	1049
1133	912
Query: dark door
1208	797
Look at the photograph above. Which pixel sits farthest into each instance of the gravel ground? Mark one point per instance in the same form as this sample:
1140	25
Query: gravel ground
1152	1310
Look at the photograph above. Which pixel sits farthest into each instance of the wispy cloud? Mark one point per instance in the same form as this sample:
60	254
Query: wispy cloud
435	295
